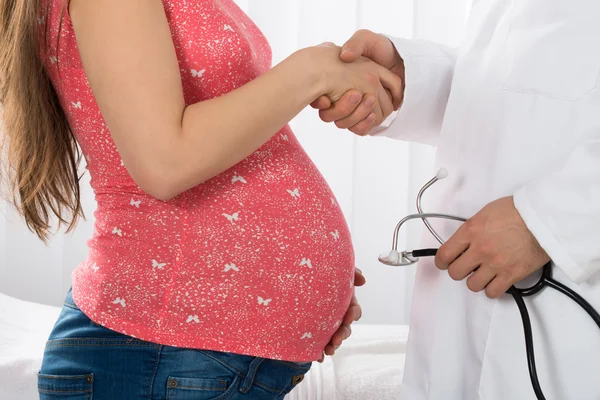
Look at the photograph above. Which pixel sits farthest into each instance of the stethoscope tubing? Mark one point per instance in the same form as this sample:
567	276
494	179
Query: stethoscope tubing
518	295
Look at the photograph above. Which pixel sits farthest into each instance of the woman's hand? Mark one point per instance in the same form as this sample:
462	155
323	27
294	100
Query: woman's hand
376	87
353	314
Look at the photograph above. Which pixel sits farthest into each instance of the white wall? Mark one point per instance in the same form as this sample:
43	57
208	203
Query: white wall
375	179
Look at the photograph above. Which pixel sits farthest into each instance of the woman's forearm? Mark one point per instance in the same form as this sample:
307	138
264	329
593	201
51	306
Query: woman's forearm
218	133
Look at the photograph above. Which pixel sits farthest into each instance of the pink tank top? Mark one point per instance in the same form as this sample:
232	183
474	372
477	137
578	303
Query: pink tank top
255	261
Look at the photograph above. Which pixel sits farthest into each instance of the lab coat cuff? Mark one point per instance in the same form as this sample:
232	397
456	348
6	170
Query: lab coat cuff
546	239
428	72
406	49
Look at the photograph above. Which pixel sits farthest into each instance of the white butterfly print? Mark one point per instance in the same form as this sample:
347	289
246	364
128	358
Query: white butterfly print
306	335
307	262
54	60
198	74
295	193
228	28
122	163
229	267
336	235
95	268
238	178
77	105
156	264
193	318
285	137
120	301
117	232
136	204
41	20
337	324
264	302
233	217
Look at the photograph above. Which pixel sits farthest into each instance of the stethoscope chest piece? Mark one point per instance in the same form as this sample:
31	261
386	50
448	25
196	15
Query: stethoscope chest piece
396	259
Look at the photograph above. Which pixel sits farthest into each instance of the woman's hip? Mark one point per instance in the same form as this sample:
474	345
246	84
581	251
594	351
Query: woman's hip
84	360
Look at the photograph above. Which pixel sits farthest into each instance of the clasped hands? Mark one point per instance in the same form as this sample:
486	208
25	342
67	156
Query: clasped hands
363	108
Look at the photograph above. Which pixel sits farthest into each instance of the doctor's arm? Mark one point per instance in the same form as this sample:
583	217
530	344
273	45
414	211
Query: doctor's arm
562	210
552	217
426	69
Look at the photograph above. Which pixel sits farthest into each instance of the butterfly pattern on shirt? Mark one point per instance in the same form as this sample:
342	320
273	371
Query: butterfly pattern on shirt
120	301
237	178
306	262
231	267
294	193
197	73
264	302
134	203
233	217
193	318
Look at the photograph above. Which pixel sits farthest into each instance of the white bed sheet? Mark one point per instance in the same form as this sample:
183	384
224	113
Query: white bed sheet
368	366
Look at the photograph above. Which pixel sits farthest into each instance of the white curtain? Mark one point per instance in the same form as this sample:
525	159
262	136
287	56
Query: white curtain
375	179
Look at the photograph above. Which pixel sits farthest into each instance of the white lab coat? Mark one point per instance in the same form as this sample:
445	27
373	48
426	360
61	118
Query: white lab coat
514	111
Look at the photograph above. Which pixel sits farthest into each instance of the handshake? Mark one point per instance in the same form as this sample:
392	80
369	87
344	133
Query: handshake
364	82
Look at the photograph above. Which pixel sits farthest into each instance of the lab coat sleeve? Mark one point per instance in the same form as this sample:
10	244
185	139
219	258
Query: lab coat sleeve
562	210
429	68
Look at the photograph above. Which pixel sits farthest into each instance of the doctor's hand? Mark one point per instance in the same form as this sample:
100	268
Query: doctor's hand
356	115
353	314
494	249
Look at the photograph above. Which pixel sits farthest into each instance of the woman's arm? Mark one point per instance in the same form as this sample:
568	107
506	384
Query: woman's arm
129	57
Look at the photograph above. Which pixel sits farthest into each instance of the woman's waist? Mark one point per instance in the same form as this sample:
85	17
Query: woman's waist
236	279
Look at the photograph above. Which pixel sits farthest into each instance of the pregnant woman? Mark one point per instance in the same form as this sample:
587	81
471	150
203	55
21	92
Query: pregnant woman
220	264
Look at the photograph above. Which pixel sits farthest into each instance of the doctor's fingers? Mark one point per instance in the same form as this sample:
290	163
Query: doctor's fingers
464	265
480	279
394	88
364	112
344	107
498	287
380	109
451	250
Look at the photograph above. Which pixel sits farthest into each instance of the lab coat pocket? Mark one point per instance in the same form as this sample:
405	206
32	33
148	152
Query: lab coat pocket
553	48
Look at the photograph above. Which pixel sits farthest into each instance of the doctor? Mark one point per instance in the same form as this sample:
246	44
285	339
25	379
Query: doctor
515	115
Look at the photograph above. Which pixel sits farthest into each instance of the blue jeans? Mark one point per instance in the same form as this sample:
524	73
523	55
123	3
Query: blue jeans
85	361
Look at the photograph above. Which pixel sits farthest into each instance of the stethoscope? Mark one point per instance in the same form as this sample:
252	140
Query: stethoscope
399	259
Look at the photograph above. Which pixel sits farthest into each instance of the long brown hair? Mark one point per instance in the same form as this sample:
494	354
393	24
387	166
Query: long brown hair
36	142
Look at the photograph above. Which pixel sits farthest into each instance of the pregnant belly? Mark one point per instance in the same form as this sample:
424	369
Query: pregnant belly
258	260
272	247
